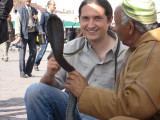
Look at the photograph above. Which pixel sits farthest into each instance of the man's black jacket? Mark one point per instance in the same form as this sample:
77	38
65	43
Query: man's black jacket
5	8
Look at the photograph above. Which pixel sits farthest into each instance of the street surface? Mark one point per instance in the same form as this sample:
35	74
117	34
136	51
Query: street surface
12	87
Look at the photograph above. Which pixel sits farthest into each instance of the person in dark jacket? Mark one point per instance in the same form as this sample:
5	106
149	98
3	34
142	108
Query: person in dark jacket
43	27
26	31
5	8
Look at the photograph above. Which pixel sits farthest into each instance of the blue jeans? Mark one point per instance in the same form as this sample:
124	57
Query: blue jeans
44	102
41	52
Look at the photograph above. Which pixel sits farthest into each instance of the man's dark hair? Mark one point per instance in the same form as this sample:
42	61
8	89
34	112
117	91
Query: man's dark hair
49	2
103	3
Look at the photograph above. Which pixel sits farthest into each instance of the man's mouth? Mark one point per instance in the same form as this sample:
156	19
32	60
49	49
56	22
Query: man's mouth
91	31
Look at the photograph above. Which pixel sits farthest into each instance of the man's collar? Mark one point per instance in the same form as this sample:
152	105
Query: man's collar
113	49
28	7
111	33
49	11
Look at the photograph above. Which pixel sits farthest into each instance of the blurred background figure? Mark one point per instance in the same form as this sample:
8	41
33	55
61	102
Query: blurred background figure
43	27
79	33
26	32
158	17
5	8
7	43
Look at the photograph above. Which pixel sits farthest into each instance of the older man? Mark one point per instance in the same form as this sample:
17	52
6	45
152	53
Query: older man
137	91
26	32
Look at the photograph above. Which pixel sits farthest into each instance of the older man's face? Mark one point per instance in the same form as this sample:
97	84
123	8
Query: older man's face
27	2
121	30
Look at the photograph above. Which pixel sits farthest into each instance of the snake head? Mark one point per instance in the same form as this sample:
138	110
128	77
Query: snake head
56	38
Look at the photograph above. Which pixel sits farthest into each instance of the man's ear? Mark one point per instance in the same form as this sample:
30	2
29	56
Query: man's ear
131	27
110	21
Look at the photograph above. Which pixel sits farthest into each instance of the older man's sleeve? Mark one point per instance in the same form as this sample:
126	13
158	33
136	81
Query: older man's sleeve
93	101
102	104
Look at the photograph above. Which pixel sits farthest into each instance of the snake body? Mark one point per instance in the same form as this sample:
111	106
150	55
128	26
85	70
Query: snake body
56	38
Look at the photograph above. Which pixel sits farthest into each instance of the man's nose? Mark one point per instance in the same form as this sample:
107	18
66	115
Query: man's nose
91	23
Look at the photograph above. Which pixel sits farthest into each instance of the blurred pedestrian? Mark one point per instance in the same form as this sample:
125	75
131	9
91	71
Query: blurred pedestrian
5	8
79	33
43	26
26	31
7	43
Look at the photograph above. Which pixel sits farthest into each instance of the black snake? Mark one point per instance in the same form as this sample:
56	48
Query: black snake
56	37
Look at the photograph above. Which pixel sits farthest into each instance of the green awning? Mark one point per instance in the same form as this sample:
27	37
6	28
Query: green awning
13	22
77	25
69	24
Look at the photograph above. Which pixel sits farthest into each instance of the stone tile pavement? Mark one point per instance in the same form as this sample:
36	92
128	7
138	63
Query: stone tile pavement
12	87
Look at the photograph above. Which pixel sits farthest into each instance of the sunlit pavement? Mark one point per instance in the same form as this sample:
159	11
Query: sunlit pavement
12	87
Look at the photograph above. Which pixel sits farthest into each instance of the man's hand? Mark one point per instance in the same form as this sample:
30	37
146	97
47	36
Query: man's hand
52	68
35	17
17	40
76	83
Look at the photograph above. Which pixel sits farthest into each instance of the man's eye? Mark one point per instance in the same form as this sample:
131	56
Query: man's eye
84	18
98	18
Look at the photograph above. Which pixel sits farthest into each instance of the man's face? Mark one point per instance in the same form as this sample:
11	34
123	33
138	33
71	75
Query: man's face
27	2
121	30
52	6
94	22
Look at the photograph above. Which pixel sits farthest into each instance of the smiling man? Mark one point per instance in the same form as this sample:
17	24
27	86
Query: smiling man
98	57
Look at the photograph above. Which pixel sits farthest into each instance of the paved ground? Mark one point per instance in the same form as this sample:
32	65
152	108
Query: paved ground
12	87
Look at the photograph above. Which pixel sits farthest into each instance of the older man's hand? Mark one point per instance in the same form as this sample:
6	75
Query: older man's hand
76	83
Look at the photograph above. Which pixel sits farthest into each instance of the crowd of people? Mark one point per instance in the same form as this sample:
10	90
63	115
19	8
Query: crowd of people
25	32
116	74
